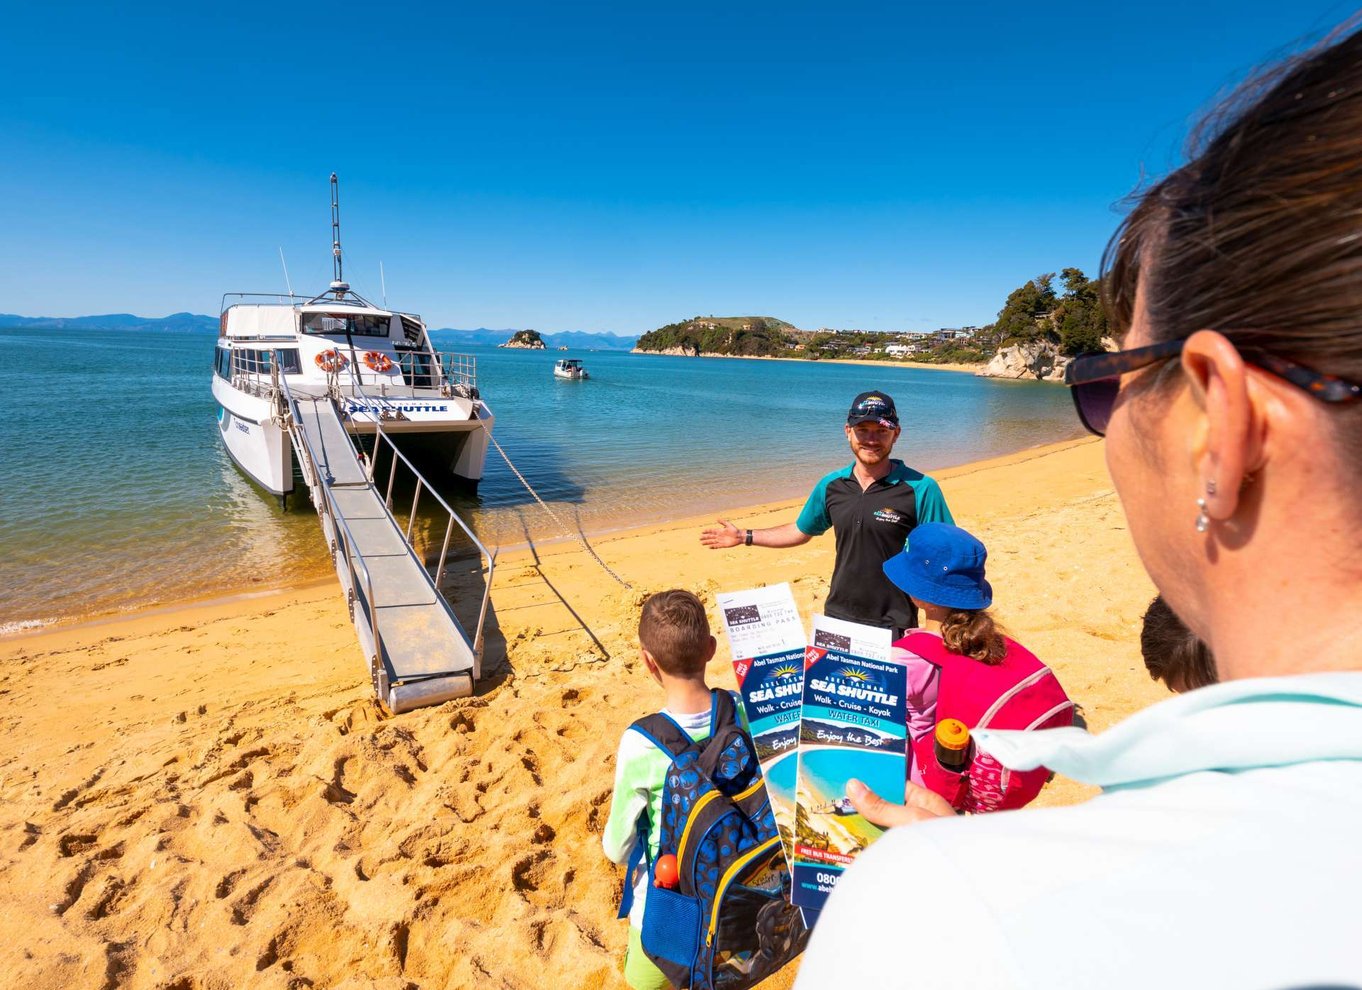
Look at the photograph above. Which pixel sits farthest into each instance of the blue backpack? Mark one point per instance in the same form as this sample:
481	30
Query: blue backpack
728	923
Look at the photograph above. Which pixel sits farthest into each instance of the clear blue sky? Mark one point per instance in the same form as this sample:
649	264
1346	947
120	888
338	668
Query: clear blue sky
597	166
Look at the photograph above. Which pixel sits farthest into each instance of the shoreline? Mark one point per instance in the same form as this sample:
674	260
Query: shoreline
956	367
221	597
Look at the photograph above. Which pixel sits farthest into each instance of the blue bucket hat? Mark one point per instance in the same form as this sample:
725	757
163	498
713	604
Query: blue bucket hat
944	566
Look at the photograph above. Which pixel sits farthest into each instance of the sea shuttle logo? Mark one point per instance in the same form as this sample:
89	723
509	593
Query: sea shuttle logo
742	615
785	681
856	684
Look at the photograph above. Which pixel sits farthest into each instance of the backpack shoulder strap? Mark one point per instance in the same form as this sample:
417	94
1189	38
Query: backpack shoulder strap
723	712
928	647
663	732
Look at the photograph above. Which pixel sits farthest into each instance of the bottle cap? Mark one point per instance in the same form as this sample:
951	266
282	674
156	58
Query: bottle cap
951	733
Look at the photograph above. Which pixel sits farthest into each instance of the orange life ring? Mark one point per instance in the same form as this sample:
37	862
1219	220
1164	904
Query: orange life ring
378	361
331	360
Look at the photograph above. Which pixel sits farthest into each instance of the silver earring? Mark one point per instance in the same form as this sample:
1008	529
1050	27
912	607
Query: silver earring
1210	487
1203	521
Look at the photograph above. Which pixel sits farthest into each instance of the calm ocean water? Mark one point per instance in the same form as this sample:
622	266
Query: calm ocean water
115	492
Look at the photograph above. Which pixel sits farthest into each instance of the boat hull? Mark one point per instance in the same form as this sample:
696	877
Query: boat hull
256	444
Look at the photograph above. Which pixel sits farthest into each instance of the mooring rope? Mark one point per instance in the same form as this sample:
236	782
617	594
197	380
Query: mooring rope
552	515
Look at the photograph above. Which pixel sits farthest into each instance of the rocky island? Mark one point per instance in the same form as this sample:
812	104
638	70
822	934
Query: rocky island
527	339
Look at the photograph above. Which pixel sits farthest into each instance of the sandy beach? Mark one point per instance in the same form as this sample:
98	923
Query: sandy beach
207	797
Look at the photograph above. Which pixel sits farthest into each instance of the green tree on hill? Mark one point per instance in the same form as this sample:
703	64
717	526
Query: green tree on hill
1025	315
1081	320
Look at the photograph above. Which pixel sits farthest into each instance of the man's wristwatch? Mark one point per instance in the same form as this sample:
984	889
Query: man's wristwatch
748	540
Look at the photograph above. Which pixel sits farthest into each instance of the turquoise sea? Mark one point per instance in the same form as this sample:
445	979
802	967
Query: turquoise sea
115	493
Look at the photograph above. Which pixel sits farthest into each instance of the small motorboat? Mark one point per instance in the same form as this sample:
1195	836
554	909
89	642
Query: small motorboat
570	368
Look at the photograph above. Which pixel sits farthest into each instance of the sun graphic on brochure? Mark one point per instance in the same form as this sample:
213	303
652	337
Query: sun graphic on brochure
789	670
853	675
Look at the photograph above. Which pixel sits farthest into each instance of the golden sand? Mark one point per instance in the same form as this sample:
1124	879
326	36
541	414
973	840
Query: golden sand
209	798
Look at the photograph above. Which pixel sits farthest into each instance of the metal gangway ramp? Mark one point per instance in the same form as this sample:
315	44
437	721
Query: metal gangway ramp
418	652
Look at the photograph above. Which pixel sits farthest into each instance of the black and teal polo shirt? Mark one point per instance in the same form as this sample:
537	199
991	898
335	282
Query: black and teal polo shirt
870	527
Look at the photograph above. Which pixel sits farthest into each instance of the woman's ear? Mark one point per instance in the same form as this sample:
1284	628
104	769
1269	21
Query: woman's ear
1228	442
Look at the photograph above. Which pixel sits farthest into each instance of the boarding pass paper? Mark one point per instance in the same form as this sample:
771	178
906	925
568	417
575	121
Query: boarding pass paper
853	724
766	637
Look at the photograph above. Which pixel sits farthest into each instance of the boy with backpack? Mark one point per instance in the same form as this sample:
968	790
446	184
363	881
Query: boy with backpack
690	805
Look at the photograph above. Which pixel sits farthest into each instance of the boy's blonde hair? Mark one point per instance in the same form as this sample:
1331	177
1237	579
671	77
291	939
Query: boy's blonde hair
674	629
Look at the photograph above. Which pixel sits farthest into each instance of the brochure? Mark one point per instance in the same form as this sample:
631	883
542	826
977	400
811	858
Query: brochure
767	640
853	724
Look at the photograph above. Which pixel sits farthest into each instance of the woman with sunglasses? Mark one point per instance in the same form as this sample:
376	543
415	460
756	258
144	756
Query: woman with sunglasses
1226	847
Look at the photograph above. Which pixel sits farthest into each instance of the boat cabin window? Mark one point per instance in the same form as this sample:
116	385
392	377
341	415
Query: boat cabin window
340	324
416	368
222	363
258	362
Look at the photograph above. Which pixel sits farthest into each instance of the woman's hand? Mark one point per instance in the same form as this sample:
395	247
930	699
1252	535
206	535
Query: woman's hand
919	805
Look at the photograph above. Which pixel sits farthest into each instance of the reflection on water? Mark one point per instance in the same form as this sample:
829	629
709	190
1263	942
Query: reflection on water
121	496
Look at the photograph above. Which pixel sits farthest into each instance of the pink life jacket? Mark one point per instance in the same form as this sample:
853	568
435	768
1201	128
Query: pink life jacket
1018	693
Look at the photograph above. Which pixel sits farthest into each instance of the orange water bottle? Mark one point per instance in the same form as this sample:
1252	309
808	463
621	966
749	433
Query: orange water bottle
952	745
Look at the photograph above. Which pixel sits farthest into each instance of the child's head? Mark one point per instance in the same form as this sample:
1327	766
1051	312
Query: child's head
1172	653
942	571
674	632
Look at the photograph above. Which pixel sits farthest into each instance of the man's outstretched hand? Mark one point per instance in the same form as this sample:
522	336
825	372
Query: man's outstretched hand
919	805
722	536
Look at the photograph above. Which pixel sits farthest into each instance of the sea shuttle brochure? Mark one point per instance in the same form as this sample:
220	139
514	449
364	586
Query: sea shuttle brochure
766	636
853	724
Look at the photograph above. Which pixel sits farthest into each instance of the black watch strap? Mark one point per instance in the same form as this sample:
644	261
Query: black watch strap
748	540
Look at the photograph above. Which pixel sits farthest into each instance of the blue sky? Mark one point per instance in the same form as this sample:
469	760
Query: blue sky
597	166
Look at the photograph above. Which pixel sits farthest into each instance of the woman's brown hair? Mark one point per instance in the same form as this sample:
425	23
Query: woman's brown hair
1259	235
973	634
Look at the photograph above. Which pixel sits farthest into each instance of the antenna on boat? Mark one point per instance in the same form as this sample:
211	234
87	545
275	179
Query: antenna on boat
286	278
338	283
383	281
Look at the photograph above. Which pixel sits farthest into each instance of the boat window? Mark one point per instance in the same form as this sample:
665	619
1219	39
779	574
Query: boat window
222	363
340	324
251	362
289	363
415	367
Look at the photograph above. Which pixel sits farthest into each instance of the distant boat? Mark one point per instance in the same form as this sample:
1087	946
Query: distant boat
570	368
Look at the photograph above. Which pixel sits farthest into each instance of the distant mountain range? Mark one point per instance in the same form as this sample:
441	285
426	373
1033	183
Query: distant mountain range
194	323
176	322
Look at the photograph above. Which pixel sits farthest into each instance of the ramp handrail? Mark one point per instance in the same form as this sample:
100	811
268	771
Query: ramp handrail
345	540
281	385
423	486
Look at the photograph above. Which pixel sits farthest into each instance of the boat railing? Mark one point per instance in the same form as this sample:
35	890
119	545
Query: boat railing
447	372
422	489
343	546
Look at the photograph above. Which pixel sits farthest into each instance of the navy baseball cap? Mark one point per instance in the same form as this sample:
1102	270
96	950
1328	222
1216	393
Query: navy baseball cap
943	565
876	406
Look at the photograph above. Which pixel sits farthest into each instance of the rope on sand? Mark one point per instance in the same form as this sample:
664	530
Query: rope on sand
577	534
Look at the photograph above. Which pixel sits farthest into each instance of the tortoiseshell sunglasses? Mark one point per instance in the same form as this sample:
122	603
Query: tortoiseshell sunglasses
1095	379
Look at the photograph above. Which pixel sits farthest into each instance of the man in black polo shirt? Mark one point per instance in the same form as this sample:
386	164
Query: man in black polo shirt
871	505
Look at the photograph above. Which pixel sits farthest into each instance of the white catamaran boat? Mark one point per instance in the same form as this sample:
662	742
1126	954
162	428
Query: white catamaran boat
340	387
570	368
379	365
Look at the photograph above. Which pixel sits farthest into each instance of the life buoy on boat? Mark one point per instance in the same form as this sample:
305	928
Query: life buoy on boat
378	361
331	360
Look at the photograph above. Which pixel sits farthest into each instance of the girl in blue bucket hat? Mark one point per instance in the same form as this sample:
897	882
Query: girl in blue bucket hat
962	667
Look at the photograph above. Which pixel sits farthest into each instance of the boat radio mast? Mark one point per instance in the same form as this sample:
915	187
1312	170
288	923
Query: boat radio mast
338	284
